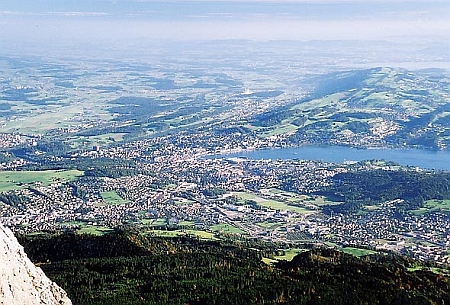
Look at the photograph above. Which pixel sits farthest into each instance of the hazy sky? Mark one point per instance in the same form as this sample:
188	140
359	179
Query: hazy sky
92	20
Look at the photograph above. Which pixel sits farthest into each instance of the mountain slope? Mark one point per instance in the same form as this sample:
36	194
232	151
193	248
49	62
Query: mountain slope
367	108
21	281
190	271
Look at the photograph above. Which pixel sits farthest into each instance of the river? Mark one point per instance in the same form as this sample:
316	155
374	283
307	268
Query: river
439	160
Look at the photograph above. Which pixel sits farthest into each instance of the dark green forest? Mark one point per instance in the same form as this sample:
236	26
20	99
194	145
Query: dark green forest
357	188
126	267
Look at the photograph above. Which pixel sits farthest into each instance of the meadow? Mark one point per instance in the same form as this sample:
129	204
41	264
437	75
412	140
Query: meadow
433	205
112	198
226	228
271	204
12	180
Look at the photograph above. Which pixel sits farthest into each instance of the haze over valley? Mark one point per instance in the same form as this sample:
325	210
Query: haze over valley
182	125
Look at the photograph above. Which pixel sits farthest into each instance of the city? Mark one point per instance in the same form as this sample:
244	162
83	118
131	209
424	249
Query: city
184	189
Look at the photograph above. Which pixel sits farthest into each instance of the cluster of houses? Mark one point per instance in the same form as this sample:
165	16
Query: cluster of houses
188	189
186	183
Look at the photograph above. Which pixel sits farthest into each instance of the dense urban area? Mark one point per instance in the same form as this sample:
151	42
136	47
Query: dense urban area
166	183
167	169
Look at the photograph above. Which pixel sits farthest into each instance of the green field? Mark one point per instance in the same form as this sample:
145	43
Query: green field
100	140
270	225
154	222
281	129
174	233
94	230
291	197
112	198
41	119
271	204
166	233
268	261
226	228
371	207
321	200
435	270
433	206
245	196
202	234
11	180
441	205
357	252
186	224
289	254
420	211
288	196
442	270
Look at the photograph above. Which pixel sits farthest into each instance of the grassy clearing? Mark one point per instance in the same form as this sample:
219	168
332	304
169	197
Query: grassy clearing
166	233
438	205
357	252
202	234
280	192
39	124
245	196
317	201
226	228
321	102
40	119
174	233
435	270
433	206
282	129
112	198
271	204
186	224
289	197
265	224
331	244
270	225
278	205
10	180
289	254
321	200
420	211
154	222
99	140
268	261
94	230
441	270
371	207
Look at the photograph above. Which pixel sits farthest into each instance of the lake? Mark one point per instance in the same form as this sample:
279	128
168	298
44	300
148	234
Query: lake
428	159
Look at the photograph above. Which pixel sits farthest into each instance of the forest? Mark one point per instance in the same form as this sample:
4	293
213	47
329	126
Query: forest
357	188
127	267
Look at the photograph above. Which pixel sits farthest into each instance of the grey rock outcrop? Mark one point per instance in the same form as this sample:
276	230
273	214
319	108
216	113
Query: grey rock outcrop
22	283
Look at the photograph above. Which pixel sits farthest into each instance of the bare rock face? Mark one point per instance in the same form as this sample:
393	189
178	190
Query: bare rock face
21	282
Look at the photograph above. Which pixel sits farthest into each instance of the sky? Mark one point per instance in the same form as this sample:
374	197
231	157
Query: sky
102	20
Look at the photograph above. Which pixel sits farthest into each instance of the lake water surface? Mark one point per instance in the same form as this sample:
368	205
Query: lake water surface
439	160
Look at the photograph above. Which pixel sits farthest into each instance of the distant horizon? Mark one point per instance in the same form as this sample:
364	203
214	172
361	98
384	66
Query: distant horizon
83	21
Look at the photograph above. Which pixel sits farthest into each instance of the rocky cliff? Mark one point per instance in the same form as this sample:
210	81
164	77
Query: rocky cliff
21	282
